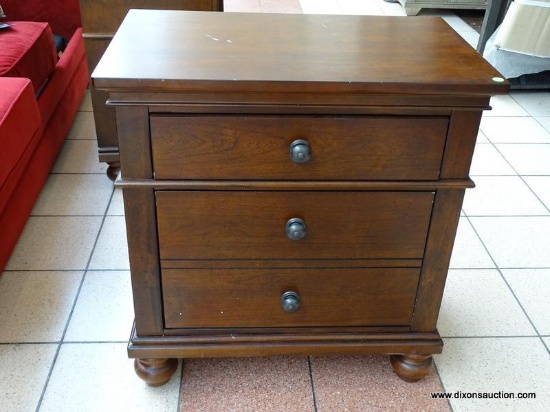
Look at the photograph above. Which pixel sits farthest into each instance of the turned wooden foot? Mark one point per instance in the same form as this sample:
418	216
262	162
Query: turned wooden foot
411	368
112	170
155	372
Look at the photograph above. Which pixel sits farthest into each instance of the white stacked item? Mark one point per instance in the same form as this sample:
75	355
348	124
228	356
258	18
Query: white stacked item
521	45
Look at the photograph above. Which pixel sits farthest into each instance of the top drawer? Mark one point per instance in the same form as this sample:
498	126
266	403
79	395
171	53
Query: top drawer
258	147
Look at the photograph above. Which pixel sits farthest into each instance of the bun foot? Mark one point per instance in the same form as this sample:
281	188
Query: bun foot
411	368
155	372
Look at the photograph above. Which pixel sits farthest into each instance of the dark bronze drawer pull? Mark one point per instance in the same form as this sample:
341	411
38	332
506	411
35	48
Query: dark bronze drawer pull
300	151
295	229
290	301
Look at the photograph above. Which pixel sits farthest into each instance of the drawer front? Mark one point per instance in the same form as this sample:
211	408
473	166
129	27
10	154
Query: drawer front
258	147
253	225
195	298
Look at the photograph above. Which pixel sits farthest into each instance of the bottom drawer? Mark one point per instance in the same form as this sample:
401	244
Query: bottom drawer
203	298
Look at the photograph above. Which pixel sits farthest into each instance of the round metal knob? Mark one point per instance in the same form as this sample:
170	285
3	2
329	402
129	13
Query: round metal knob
290	301
300	151
295	229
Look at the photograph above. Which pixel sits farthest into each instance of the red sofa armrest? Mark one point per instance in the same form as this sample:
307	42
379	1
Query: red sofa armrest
62	15
20	125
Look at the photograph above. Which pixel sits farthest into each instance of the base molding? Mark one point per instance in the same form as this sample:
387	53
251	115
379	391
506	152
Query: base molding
319	343
156	356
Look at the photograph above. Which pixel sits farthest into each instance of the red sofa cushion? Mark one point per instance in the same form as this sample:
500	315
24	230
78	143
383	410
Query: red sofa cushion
20	127
56	89
62	15
28	51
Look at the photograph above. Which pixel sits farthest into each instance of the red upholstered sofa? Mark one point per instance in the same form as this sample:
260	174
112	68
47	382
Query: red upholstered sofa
40	94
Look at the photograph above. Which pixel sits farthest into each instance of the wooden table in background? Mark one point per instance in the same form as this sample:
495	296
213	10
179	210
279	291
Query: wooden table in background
100	21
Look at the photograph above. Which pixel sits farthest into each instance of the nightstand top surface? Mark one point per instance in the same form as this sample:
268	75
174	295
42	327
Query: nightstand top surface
158	50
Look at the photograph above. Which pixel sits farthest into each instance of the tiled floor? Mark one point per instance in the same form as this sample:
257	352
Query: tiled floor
66	307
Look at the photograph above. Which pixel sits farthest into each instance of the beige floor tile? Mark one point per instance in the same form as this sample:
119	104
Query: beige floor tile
505	105
544	121
28	316
86	104
541	186
55	243
368	383
368	8
501	196
527	159
83	127
104	309
24	370
111	250
246	6
391	9
116	207
479	303
320	7
487	161
457	23
516	242
471	37
74	194
493	365
280	6
532	288
514	130
99	377
536	103
79	156
246	384
468	251
481	138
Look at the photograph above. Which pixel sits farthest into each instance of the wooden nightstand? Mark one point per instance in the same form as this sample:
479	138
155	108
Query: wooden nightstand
292	183
100	21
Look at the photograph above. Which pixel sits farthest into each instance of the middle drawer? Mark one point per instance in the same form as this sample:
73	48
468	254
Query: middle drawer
292	225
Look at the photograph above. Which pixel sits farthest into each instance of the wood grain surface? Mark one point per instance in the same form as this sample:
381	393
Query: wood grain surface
252	225
257	147
186	50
